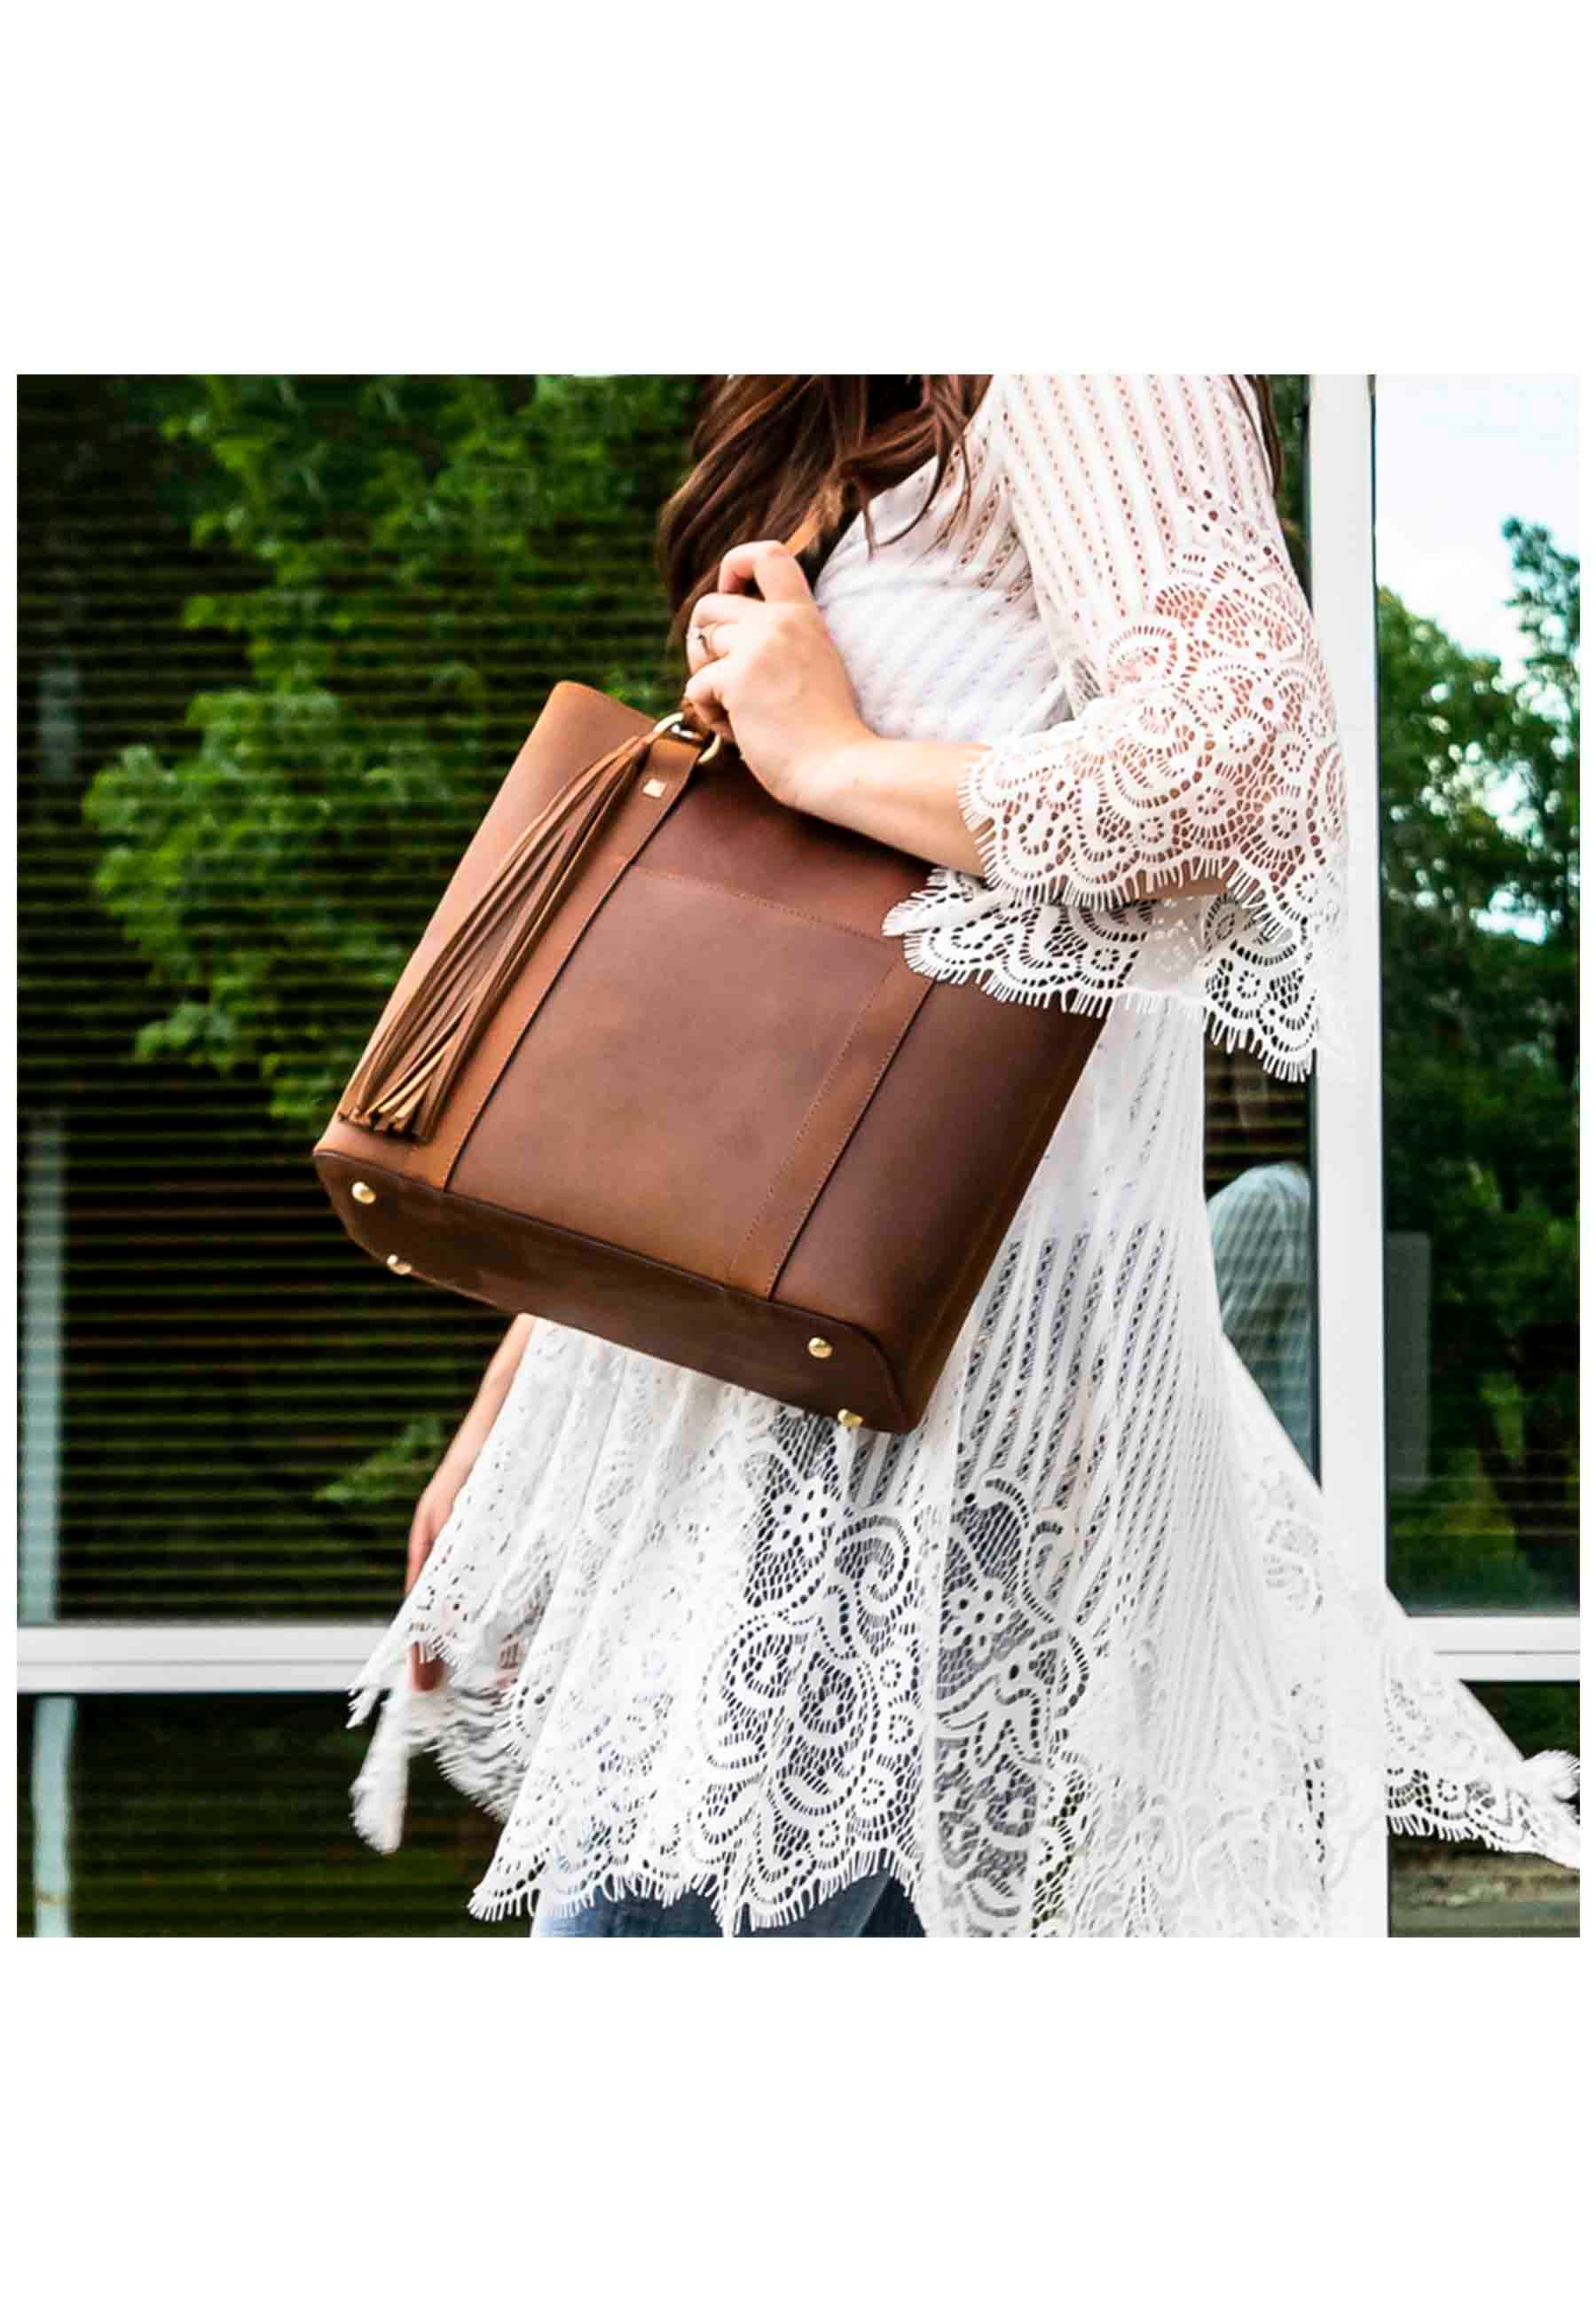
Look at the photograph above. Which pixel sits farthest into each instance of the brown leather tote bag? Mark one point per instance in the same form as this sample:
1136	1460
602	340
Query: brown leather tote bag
655	1073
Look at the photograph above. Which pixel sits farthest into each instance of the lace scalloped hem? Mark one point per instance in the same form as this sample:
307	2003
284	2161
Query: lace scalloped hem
922	953
1529	1812
1087	958
411	1721
489	1905
601	1745
938	950
1543	1821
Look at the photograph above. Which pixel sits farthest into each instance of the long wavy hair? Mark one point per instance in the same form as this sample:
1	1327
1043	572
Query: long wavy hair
769	450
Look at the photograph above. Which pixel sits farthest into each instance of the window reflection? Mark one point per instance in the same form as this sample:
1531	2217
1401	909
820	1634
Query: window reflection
1257	1173
1479	621
1262	1224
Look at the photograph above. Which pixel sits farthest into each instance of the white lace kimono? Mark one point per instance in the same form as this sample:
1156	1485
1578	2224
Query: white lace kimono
1079	1654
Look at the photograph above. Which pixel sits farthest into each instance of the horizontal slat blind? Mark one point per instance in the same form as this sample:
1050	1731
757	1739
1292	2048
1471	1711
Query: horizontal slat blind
421	560
322	612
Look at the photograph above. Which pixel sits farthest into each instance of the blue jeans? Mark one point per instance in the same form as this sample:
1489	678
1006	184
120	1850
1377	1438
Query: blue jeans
877	1905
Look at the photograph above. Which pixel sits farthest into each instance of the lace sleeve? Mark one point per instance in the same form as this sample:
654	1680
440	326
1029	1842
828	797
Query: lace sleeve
1204	738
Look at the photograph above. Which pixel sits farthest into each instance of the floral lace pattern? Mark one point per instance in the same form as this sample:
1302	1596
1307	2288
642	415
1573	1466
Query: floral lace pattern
1080	1653
1203	737
1076	1656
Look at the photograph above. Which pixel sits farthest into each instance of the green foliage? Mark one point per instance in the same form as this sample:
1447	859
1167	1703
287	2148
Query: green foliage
1479	780
397	1471
429	556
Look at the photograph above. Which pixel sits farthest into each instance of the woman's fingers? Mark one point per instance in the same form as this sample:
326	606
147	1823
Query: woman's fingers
703	693
713	625
725	609
703	649
768	565
424	1672
742	628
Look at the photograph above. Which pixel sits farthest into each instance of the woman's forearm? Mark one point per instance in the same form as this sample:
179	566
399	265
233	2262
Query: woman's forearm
495	1384
904	792
506	1358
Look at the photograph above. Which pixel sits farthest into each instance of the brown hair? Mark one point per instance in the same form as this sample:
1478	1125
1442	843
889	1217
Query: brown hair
766	450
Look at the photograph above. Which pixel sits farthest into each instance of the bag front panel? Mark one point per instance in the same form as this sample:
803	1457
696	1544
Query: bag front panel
659	1090
726	830
912	1216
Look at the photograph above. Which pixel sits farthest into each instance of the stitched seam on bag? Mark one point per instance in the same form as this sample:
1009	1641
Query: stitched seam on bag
798	1138
1033	1148
632	862
755	899
857	1118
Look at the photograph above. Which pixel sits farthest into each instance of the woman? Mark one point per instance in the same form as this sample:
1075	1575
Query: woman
1077	1654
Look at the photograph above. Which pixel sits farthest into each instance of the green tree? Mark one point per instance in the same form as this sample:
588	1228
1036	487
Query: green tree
1480	947
430	554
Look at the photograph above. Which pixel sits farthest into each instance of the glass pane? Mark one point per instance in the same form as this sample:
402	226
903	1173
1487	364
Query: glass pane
1444	1885
202	1815
1258	1171
1479	621
279	640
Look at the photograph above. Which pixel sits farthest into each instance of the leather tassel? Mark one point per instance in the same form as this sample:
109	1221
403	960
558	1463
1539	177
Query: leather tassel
405	1074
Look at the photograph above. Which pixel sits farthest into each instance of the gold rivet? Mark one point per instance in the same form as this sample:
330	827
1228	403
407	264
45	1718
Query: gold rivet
819	1347
653	786
850	1419
400	1267
363	1194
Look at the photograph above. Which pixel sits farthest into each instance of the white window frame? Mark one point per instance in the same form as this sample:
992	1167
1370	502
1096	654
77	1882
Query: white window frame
1348	1191
1349	1198
324	1657
156	1657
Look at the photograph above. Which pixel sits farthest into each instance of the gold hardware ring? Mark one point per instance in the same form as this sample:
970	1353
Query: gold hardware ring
677	727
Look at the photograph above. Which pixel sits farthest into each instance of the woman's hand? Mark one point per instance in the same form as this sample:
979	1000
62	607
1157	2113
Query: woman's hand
765	673
432	1512
436	1504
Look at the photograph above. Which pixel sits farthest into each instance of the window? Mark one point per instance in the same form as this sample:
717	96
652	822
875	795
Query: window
227	1410
1258	1141
194	1814
1478	629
